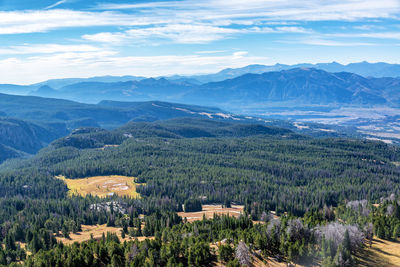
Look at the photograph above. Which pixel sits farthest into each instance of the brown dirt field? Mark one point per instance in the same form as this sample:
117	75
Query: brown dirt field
383	253
102	186
97	231
209	211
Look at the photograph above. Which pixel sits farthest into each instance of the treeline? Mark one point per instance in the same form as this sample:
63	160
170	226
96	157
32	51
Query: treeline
237	242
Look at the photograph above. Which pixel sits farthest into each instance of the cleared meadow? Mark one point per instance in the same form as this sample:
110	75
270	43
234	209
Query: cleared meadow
209	210
96	231
102	186
383	253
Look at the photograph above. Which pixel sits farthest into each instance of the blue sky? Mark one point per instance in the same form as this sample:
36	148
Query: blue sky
47	39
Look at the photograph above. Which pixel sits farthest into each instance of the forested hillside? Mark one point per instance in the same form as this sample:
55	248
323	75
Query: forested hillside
26	136
192	162
275	168
9	153
28	124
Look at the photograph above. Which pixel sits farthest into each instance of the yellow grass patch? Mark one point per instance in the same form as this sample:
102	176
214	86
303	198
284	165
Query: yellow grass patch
102	186
383	253
209	211
97	231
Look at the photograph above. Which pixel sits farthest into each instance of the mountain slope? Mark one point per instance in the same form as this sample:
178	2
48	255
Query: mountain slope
144	90
58	83
365	69
108	114
177	128
24	136
16	89
301	86
44	91
9	153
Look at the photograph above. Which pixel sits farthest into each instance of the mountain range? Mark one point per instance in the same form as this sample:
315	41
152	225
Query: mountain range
366	69
295	87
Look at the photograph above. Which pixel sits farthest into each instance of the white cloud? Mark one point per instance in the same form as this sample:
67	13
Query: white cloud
292	29
106	37
185	33
210	52
46	49
17	22
368	27
190	12
240	54
309	10
375	35
324	42
56	4
178	33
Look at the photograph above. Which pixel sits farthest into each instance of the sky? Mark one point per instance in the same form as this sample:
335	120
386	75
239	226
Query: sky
47	39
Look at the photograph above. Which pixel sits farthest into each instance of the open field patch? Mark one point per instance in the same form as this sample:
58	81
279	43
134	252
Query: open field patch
102	186
209	210
383	253
97	232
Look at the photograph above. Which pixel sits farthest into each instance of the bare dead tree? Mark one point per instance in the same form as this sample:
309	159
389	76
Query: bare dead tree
390	210
243	254
335	232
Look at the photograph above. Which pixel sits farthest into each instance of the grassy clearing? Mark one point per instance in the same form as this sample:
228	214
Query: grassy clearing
97	232
209	210
102	186
383	253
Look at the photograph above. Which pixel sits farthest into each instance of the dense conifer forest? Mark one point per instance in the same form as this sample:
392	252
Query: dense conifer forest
306	200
